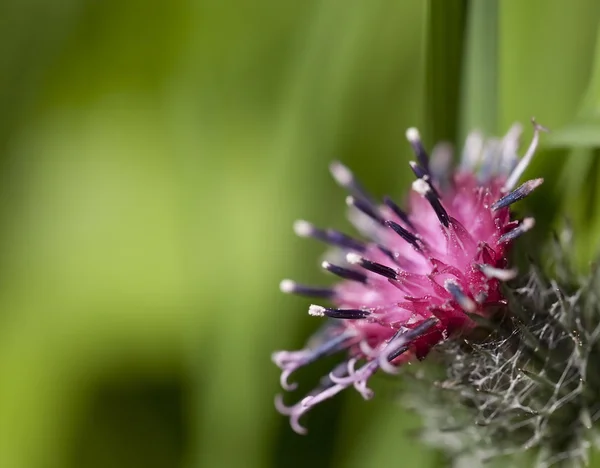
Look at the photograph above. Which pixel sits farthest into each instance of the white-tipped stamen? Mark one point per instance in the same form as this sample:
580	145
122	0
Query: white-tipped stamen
524	162
423	188
303	228
441	160
418	170
510	146
287	286
517	194
316	310
365	207
353	258
464	301
472	151
498	273
342	175
413	135
526	225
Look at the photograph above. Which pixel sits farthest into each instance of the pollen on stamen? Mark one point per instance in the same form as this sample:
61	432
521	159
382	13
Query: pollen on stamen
421	187
316	310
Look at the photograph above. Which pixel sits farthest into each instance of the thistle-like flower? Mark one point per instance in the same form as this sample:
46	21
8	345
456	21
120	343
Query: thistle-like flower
423	275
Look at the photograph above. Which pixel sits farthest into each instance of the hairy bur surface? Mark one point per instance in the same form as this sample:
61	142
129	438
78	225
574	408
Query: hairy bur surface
529	383
415	278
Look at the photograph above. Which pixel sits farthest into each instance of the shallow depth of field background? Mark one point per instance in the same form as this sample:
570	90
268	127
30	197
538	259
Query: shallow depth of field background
153	156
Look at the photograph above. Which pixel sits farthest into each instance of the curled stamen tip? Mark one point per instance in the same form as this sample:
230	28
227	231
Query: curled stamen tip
278	359
412	134
303	228
387	366
366	349
336	379
305	402
366	393
341	173
283	380
294	412
282	407
283	359
296	426
316	310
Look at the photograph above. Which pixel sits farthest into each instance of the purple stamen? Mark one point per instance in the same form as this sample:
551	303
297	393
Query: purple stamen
517	194
374	267
399	343
397	211
291	287
526	225
345	273
423	188
330	236
365	208
407	236
414	138
498	273
464	301
345	178
350	314
290	361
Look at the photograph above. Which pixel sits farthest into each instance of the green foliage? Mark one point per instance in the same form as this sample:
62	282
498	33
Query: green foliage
153	156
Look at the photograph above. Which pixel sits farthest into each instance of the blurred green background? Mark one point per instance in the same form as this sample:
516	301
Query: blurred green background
153	156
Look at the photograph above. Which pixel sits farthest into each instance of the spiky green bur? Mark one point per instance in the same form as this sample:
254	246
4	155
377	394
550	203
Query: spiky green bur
528	382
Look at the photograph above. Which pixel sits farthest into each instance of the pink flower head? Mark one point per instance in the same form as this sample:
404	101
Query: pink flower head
424	273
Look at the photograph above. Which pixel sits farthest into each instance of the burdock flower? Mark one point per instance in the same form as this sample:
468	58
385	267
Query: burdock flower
419	276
